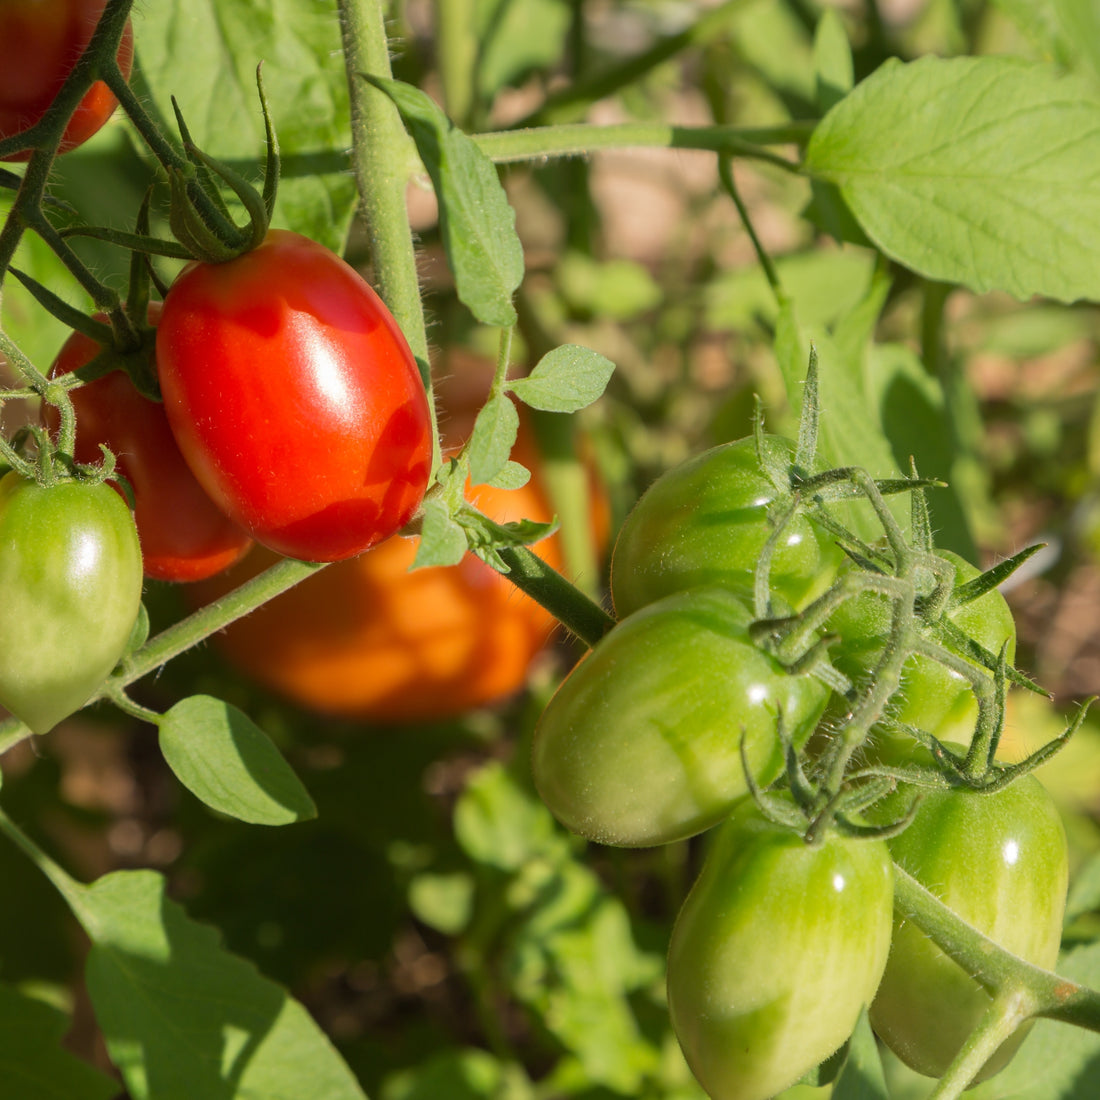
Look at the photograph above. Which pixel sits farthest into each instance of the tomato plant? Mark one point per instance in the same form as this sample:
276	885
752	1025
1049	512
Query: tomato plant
70	571
40	42
183	536
1000	862
932	697
285	348
706	521
641	743
777	948
368	639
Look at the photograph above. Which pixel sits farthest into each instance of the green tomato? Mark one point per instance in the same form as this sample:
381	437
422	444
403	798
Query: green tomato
70	572
640	745
931	696
999	861
705	522
776	950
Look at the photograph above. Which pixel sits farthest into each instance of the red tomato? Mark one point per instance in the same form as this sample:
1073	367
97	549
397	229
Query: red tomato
40	43
183	535
368	639
295	398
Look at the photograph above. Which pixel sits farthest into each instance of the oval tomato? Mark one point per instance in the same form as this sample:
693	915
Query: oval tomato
706	522
777	948
640	745
295	399
931	696
997	860
70	572
367	639
40	43
183	536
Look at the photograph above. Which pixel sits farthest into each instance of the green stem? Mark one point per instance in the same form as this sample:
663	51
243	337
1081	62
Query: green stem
583	616
994	968
383	165
580	139
1010	1008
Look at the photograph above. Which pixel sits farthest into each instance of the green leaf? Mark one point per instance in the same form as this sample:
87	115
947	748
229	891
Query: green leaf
459	1075
213	77
477	224
564	380
862	1077
501	824
184	1018
512	475
444	902
978	171
515	37
1080	21
33	1063
493	437
226	760
442	541
833	70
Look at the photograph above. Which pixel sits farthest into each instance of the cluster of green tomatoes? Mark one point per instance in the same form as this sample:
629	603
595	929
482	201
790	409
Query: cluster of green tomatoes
790	687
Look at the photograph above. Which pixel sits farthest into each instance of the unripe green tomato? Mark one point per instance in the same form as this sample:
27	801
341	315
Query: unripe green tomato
999	861
777	948
705	522
70	575
640	745
931	696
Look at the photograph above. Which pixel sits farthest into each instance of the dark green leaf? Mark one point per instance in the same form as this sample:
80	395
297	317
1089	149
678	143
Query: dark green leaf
564	380
226	760
33	1063
183	1018
973	170
477	224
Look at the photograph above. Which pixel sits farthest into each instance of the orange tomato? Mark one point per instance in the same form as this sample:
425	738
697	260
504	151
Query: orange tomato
367	639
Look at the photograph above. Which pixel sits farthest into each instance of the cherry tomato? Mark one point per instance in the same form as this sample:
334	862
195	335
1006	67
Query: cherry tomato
40	43
706	521
367	639
1000	862
183	536
640	745
70	572
295	399
777	948
931	696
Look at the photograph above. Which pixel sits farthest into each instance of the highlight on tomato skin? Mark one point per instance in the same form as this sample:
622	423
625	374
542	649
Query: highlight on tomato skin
40	44
295	398
184	537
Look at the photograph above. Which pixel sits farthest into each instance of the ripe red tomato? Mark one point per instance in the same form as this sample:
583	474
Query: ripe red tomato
367	639
295	399
183	535
40	42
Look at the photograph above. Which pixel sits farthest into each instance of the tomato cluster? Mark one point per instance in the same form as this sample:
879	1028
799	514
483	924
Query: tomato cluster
754	632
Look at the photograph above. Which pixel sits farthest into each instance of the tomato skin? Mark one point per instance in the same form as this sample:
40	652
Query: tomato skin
705	522
70	572
930	696
640	745
366	639
184	537
295	399
776	949
40	42
1000	862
